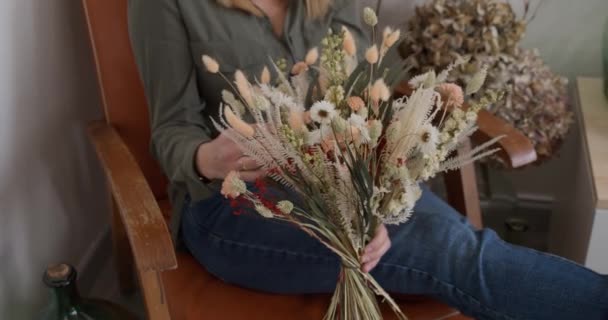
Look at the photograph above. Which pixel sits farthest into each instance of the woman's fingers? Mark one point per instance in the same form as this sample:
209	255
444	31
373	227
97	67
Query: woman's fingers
369	266
377	253
374	251
245	163
378	240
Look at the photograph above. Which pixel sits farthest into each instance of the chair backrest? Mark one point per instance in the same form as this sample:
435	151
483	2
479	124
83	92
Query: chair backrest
121	88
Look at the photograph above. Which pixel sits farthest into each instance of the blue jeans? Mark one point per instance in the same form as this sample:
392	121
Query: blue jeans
436	253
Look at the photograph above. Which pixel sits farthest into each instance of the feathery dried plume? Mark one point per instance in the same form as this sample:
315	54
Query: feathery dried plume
386	33
244	87
237	124
236	105
425	80
389	38
348	44
298	68
265	76
210	64
371	55
370	17
379	91
392	38
312	56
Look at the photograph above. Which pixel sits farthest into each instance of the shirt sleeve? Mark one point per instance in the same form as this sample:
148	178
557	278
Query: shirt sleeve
162	53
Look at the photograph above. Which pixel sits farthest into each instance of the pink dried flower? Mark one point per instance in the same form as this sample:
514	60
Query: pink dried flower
451	94
355	103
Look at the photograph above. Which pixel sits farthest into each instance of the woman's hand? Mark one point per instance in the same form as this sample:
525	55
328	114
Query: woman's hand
216	158
375	249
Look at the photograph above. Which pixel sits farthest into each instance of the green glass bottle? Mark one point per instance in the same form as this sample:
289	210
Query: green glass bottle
66	303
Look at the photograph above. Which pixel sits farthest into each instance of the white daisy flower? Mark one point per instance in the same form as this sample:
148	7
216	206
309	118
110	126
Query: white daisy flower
322	112
429	137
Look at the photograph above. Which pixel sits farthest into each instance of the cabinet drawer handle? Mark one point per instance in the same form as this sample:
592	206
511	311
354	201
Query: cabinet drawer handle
517	225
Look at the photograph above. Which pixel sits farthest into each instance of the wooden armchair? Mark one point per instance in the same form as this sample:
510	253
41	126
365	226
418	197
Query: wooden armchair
173	285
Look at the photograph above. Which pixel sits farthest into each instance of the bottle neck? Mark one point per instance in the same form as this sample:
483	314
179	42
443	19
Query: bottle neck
67	300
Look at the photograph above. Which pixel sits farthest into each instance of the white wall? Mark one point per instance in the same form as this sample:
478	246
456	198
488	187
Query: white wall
52	204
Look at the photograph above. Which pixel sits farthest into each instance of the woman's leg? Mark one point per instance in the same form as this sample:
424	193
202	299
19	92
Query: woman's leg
439	253
436	253
256	252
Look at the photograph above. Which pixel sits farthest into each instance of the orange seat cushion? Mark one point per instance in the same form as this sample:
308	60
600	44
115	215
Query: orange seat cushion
195	294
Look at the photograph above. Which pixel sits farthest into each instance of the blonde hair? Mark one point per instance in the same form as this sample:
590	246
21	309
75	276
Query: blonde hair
314	8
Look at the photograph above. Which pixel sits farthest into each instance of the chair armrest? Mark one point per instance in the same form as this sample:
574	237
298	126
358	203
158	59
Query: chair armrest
145	227
516	150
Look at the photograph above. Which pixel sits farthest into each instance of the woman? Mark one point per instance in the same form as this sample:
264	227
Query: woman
437	253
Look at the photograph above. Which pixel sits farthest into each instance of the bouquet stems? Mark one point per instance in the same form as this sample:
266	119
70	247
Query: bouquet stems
355	297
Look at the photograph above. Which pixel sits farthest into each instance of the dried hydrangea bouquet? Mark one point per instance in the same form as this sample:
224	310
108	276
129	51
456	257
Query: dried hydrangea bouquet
349	155
489	32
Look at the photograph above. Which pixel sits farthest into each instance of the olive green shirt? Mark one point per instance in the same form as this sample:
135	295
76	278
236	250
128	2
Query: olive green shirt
170	36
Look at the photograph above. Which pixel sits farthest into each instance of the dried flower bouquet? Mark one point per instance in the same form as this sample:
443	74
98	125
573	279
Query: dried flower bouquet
351	155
